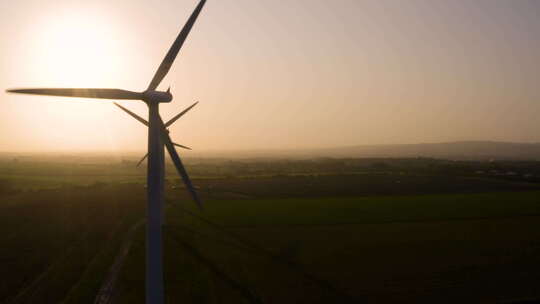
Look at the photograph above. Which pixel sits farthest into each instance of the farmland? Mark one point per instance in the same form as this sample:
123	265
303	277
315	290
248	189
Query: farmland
430	248
277	231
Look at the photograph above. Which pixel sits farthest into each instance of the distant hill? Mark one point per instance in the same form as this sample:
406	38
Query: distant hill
461	150
475	150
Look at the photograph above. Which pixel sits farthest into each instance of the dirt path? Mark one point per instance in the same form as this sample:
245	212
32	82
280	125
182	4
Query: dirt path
106	292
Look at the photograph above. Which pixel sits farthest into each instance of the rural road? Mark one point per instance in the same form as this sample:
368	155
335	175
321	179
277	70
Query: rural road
106	292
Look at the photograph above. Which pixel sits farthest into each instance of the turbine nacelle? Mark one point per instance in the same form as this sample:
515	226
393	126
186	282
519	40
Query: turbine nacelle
151	96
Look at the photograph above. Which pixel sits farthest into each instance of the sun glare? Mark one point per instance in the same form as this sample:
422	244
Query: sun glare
73	49
78	50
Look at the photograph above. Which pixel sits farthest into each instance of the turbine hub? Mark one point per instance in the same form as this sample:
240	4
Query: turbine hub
157	96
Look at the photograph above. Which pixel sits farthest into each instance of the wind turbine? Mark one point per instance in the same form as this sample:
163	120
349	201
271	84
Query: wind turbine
164	131
158	137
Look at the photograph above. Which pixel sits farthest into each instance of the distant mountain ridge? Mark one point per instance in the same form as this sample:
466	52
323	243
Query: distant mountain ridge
449	150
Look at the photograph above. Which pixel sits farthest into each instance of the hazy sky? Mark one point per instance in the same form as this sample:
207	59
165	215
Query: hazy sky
274	74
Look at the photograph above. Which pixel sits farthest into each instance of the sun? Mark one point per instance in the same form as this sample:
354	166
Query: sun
77	49
73	48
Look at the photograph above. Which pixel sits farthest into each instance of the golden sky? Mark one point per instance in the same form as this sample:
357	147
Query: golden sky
274	74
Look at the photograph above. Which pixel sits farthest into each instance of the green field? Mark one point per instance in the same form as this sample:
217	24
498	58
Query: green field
401	232
58	243
430	248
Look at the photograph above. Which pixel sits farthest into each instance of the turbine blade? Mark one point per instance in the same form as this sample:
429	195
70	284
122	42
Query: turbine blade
172	120
180	168
179	145
167	62
137	117
84	93
142	159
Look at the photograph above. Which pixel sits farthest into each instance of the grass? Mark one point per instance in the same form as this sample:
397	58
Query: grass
426	248
296	237
365	210
53	240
